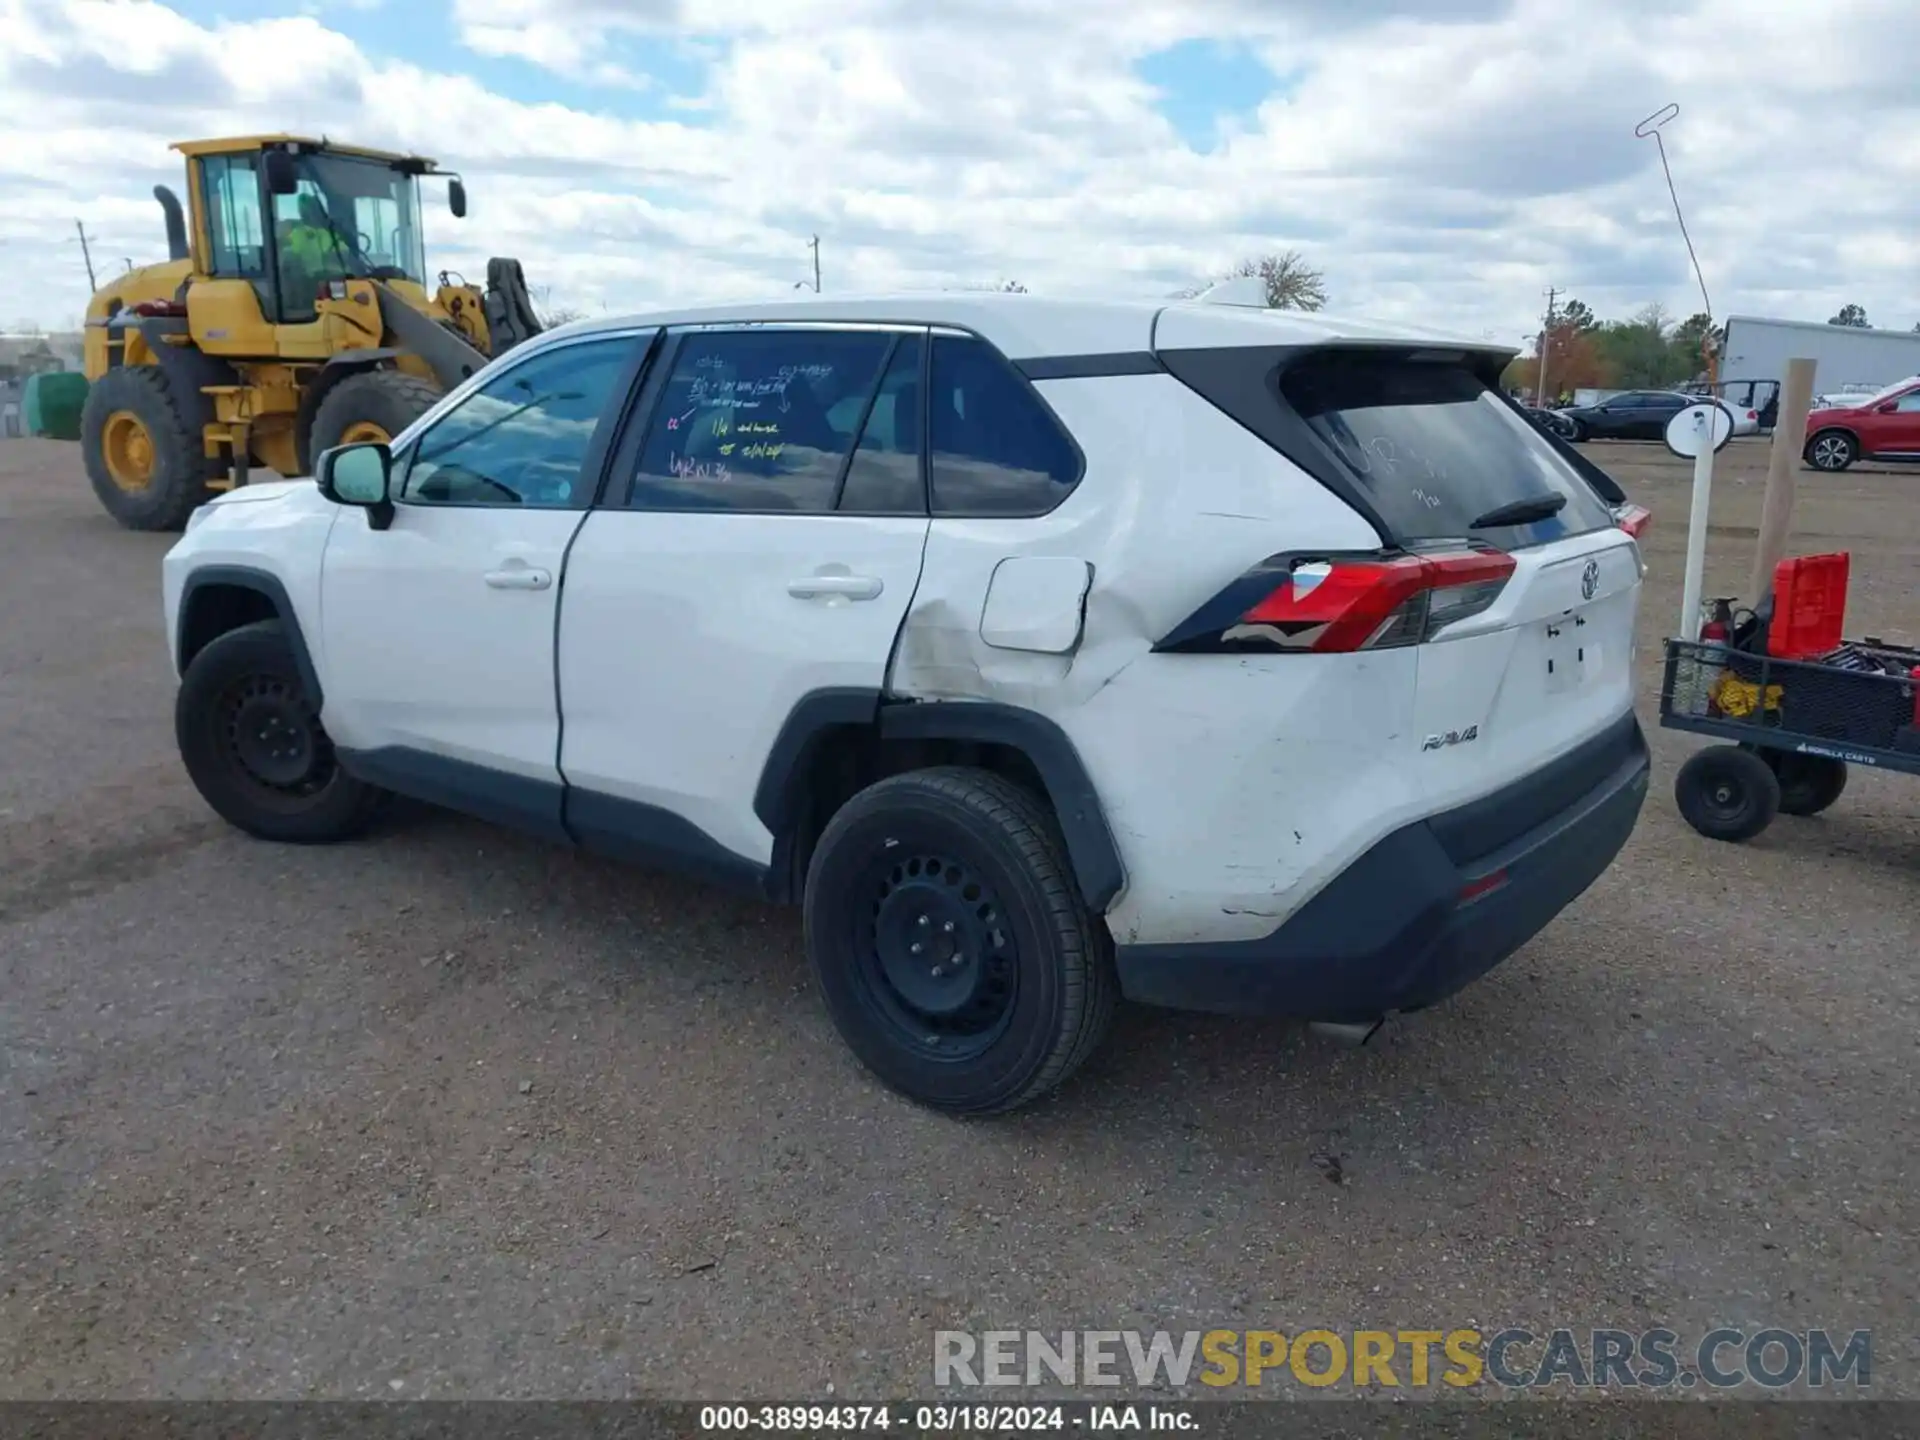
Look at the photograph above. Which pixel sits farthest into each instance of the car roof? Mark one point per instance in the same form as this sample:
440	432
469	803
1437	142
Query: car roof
1026	326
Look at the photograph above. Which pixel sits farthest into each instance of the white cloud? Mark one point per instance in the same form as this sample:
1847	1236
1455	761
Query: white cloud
1444	161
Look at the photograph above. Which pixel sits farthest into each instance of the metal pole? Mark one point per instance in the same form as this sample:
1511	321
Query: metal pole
87	255
816	264
1546	337
1697	526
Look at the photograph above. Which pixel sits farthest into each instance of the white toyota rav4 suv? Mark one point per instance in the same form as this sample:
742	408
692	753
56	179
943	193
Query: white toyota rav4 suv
1049	652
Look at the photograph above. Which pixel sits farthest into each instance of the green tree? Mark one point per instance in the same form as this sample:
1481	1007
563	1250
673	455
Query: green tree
1577	314
1641	354
1851	315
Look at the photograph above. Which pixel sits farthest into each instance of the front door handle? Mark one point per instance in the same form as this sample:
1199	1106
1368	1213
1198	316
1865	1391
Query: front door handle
846	587
519	577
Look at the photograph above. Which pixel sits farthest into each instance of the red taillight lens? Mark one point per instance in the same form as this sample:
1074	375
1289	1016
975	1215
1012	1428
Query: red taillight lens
1341	604
1633	519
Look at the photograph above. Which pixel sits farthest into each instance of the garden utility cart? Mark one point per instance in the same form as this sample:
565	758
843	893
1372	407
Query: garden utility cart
1794	704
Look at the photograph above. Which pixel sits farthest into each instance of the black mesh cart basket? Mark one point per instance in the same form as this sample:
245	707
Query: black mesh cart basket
1791	728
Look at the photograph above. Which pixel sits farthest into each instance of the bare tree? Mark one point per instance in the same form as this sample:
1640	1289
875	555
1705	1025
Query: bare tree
560	315
1292	284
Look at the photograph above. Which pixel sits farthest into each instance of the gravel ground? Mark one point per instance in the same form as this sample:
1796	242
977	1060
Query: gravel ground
451	1113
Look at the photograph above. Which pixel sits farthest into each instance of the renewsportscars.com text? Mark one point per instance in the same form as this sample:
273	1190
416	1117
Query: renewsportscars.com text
1511	1358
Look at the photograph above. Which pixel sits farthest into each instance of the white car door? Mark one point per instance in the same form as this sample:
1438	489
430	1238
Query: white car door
438	631
759	541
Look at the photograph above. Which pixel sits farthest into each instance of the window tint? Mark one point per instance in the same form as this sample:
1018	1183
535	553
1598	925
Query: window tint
522	438
1435	449
884	478
997	450
758	419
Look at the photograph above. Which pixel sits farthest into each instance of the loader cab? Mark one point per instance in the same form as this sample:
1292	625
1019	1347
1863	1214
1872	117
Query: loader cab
288	216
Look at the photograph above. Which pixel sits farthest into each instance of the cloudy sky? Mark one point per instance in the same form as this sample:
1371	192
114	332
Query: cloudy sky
1443	161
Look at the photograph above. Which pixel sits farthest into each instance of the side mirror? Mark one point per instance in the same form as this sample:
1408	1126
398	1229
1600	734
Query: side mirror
457	198
1888	408
358	475
281	177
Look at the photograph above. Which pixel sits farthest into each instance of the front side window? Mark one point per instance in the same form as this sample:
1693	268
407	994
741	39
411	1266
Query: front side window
996	449
758	420
522	438
1909	402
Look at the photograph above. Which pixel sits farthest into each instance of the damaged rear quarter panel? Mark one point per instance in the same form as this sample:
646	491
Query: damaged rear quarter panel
1177	500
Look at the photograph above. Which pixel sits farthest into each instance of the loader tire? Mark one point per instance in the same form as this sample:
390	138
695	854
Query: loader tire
375	405
146	464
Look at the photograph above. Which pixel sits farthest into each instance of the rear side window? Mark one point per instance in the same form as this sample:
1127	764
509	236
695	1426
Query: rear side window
758	420
1435	449
996	448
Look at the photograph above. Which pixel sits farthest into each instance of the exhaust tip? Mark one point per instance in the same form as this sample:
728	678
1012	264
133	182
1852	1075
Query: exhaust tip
1351	1037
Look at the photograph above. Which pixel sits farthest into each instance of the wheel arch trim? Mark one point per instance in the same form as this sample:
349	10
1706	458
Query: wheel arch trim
263	583
781	793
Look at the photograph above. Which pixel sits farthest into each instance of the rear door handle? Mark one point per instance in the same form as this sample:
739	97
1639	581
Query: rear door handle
519	577
848	587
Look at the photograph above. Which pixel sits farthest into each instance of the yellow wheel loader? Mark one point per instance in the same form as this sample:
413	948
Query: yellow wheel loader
293	315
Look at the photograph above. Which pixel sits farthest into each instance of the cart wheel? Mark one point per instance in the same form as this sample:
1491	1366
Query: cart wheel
1808	783
1727	793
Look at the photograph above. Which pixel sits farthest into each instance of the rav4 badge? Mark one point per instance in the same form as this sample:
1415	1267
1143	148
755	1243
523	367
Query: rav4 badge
1452	737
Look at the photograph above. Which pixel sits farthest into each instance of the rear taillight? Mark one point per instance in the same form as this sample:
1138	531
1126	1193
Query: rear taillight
1633	519
1338	604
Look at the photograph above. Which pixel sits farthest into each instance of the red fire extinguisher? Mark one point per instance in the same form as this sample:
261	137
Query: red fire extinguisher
1716	638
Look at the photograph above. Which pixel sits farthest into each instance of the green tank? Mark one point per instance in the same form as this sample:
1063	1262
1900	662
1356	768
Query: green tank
50	408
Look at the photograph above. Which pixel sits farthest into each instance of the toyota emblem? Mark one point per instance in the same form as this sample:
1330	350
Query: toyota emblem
1590	580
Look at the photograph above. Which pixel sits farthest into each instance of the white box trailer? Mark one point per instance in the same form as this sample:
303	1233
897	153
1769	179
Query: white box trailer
1845	357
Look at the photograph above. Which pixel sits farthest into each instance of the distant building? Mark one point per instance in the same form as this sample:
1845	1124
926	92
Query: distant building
24	354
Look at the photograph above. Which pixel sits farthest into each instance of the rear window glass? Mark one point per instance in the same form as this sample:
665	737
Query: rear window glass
1435	449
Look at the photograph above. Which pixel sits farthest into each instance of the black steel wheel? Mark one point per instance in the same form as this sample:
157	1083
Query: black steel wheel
1727	793
955	955
251	739
1808	783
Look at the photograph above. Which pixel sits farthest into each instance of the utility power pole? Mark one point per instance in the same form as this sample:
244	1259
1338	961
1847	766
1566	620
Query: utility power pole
86	255
814	244
1546	335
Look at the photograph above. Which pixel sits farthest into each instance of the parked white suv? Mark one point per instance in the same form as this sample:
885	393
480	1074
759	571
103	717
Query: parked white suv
1213	657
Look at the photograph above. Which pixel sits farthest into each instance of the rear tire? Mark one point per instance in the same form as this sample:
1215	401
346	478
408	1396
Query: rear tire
373	406
1727	793
1832	451
1577	432
955	954
146	465
252	743
1808	783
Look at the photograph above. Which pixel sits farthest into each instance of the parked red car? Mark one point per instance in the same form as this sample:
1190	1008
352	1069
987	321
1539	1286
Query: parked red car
1882	427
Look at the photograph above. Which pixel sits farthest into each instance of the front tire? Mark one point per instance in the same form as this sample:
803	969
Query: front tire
1832	451
369	408
146	465
251	740
1727	793
1577	432
955	954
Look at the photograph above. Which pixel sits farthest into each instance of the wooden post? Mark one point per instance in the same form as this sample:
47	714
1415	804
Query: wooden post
1776	512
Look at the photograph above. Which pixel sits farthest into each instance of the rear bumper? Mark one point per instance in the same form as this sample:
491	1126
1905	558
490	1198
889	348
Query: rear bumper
1392	932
